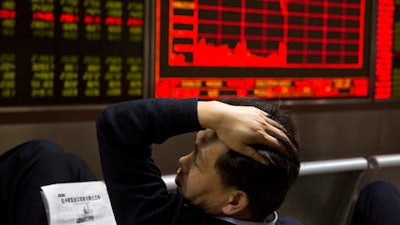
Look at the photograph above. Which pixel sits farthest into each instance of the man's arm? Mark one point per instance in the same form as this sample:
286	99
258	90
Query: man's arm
125	133
141	123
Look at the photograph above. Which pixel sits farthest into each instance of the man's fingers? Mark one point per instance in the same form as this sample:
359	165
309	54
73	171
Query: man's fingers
276	137
273	142
253	154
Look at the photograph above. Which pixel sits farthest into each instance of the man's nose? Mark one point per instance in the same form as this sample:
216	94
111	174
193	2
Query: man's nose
182	163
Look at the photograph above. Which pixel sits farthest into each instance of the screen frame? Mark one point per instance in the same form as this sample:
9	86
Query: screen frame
366	72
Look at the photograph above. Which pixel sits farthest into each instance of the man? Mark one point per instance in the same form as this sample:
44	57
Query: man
243	162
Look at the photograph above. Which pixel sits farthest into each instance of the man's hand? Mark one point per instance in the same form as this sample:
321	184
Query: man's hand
239	127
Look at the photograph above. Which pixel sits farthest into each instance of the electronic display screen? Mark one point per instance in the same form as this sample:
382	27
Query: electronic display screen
270	48
387	64
70	51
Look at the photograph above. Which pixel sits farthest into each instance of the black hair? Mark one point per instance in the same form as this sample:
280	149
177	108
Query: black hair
265	186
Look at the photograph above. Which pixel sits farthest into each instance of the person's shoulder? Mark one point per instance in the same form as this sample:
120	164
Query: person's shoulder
288	220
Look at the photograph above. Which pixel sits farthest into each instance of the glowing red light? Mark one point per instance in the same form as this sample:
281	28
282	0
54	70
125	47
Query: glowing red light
134	22
88	19
44	16
267	87
7	14
113	21
69	18
384	44
244	83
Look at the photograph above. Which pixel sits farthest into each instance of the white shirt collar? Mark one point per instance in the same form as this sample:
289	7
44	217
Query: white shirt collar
243	222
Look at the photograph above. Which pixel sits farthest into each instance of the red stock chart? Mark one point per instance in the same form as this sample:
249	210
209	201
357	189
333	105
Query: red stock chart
280	33
265	48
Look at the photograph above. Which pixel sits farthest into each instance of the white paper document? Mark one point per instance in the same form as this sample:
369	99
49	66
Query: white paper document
84	203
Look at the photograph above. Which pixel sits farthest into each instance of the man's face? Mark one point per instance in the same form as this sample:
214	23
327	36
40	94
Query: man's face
197	178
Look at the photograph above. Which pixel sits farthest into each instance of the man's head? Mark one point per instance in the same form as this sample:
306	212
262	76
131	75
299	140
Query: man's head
226	183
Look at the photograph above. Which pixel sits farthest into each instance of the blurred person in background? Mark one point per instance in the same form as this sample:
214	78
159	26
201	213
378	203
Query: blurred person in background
377	204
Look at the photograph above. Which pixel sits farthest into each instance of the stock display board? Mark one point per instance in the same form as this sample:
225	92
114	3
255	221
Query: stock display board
387	81
70	51
396	51
269	49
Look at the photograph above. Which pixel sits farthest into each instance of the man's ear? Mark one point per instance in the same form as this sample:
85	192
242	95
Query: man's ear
237	202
